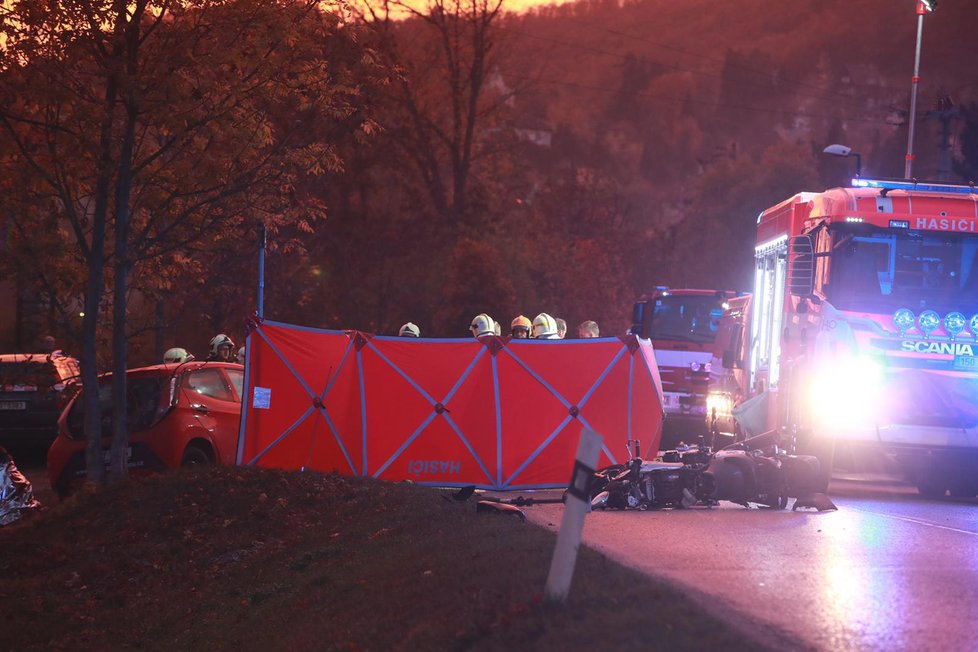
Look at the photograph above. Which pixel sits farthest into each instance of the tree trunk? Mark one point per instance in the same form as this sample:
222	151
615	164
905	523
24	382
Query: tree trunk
94	464
118	461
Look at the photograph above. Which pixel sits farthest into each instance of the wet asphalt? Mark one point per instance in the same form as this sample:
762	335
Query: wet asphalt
887	571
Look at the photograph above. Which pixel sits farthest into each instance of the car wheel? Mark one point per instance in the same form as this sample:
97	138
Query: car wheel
194	456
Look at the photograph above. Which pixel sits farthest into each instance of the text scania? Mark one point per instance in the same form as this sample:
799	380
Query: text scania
943	348
945	224
431	467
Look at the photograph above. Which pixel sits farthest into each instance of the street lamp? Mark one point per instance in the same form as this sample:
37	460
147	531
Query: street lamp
842	150
923	6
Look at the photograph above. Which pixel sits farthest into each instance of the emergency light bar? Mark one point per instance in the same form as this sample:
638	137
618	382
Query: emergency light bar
890	184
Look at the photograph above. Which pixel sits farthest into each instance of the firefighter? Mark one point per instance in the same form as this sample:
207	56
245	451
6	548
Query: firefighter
241	355
221	349
588	329
482	326
520	328
544	327
561	328
409	330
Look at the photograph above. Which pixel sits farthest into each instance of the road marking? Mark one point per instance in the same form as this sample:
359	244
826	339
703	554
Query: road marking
915	520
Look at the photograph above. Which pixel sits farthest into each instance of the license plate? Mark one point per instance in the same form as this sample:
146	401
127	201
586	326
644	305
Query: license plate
965	362
13	405
107	456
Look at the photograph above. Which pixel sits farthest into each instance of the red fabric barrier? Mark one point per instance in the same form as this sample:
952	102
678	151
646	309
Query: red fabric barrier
496	413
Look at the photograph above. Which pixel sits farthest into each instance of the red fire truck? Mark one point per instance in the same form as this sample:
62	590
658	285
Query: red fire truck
863	328
682	324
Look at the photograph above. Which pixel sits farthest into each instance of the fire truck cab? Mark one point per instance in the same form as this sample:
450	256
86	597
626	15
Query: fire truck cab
863	328
683	325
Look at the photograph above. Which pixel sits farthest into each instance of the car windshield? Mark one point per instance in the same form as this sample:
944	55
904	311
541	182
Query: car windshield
693	318
881	270
28	374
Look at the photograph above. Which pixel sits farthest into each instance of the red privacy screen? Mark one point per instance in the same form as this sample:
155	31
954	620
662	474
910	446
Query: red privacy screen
495	413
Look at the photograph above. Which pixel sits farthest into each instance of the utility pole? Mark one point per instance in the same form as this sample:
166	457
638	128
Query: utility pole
262	243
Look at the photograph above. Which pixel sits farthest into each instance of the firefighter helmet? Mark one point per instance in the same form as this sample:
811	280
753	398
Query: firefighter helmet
409	330
520	327
544	327
217	342
176	354
482	325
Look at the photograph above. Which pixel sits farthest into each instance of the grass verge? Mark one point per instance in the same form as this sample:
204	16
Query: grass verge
254	559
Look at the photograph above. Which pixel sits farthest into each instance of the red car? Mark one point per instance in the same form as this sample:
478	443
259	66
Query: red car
179	415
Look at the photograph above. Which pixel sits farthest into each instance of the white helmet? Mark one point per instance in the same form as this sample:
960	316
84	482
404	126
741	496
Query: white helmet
218	341
482	325
409	330
544	327
176	354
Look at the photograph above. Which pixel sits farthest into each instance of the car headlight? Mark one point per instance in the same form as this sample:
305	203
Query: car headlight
720	403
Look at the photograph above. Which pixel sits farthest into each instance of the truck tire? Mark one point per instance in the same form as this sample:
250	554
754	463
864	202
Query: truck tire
963	489
822	448
963	483
931	485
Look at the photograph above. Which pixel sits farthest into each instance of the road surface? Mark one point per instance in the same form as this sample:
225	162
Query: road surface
887	571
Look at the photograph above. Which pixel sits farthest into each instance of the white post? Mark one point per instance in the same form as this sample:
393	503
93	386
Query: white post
576	506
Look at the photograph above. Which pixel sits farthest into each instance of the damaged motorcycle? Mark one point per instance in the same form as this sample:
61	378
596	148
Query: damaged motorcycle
756	471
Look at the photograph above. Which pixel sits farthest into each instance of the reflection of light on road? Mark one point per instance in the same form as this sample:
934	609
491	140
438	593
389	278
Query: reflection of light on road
857	595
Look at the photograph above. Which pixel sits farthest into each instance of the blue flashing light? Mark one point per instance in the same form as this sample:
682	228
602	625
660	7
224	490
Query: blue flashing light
918	186
954	323
973	325
928	321
904	319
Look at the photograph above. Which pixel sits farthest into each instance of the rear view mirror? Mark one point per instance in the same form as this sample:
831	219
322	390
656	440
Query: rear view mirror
728	360
639	327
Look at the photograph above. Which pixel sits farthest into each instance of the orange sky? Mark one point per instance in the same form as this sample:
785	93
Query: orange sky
521	5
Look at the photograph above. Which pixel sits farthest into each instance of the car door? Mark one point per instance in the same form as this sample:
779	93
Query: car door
216	408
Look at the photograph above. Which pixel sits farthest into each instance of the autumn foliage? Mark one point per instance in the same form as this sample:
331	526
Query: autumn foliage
428	162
